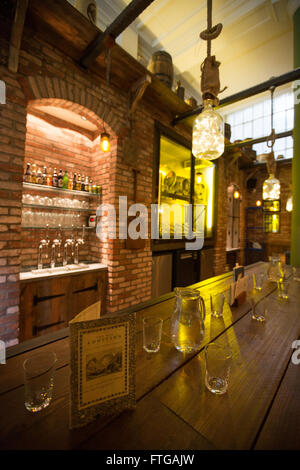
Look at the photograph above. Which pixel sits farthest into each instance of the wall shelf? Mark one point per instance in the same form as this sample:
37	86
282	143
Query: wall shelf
74	209
175	196
30	227
50	189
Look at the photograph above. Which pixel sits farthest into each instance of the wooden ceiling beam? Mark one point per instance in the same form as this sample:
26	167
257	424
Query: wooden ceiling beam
107	39
16	35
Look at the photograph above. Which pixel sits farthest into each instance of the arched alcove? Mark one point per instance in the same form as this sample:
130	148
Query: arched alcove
64	135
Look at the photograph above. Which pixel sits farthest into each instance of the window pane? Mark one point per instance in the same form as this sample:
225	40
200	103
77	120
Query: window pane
247	115
267	107
248	130
258	110
279	121
258	127
290	119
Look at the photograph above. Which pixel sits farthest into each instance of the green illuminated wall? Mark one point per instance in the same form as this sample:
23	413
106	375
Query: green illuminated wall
295	239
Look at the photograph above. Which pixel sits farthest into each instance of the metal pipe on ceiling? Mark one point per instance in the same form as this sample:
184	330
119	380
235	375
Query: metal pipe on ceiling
241	95
258	140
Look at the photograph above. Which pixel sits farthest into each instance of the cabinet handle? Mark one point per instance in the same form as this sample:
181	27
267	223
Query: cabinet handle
36	329
86	289
37	299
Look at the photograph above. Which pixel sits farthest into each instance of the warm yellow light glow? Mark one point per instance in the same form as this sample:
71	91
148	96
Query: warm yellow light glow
199	178
104	142
163	173
236	194
289	204
258	203
210	183
275	223
208	133
271	189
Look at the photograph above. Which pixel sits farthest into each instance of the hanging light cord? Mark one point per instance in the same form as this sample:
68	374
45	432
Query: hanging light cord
210	81
271	139
108	68
212	32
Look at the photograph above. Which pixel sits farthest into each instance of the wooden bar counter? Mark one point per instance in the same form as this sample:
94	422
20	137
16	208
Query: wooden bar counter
261	409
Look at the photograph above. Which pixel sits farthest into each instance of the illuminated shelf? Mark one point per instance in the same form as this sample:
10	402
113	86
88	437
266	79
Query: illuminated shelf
175	196
50	189
25	227
74	209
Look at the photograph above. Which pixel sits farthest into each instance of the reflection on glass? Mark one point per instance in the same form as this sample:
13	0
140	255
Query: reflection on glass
176	218
174	187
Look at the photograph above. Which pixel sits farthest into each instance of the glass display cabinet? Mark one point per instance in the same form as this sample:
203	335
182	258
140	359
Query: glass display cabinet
185	189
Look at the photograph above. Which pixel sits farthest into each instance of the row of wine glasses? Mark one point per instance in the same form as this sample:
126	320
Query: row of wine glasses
54	201
41	219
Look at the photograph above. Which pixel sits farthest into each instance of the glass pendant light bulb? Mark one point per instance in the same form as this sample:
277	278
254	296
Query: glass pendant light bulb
271	189
208	133
104	142
289	204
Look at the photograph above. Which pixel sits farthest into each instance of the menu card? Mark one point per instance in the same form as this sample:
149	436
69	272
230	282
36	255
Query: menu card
102	365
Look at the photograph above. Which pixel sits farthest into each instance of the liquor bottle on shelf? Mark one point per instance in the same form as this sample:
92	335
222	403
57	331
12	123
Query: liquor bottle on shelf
90	186
44	175
74	181
60	179
27	174
49	178
33	173
65	180
39	177
55	179
70	183
78	182
87	184
82	183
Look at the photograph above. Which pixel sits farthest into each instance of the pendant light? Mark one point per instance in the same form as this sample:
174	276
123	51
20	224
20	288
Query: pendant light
271	186
104	142
208	128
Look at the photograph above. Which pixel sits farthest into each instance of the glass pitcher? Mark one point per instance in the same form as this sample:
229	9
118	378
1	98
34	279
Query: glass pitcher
275	271
187	322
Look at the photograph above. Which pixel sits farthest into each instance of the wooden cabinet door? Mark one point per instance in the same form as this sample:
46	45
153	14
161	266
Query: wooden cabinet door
49	305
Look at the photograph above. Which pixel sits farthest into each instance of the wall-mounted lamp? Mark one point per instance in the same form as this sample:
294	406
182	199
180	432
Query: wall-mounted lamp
289	204
236	194
104	142
258	203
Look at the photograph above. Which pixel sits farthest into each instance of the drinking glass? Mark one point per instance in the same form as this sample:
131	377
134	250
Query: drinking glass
217	304
217	368
296	273
259	309
39	372
152	329
283	289
258	280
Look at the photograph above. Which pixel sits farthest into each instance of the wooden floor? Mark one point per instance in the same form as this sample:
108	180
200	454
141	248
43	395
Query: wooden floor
174	409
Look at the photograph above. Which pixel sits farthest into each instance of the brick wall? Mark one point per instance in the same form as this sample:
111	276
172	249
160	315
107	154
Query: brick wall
53	147
48	77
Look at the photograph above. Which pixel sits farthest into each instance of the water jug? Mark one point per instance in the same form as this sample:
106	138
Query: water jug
187	322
